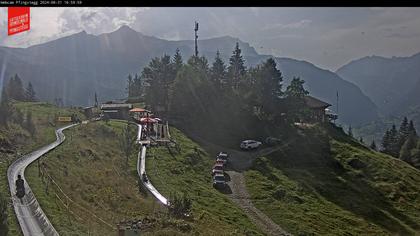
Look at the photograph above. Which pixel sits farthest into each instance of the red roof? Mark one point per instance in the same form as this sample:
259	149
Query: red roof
138	110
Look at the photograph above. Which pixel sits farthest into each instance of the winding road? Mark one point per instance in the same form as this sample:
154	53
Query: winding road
32	219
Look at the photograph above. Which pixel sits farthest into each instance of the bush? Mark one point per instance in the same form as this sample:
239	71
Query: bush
180	206
3	216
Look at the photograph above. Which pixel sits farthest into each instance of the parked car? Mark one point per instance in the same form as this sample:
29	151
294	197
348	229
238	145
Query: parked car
223	156
219	180
217	168
250	144
220	161
272	141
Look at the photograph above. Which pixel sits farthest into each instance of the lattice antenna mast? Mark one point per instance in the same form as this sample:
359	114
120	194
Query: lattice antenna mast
196	38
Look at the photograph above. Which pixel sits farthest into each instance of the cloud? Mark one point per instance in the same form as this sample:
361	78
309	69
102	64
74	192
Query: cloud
301	33
294	25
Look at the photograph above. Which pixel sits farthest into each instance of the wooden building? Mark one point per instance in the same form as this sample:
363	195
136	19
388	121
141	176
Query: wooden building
116	110
317	108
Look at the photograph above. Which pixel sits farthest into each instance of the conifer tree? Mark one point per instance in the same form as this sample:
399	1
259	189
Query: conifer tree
5	108
15	88
29	124
350	131
361	140
394	148
236	69
412	129
409	144
373	145
30	93
403	132
218	71
386	142
129	86
177	61
96	100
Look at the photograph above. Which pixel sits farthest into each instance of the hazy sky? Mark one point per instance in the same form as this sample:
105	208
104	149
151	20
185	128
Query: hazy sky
327	37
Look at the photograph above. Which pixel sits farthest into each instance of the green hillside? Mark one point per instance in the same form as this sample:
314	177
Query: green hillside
89	168
15	140
326	183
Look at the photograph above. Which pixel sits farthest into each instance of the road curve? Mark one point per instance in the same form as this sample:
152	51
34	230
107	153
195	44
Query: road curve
141	169
32	219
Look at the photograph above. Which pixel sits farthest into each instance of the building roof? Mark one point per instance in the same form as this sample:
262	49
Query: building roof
116	106
312	102
138	110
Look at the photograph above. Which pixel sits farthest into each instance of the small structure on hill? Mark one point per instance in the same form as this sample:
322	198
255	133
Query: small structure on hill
116	110
319	111
138	113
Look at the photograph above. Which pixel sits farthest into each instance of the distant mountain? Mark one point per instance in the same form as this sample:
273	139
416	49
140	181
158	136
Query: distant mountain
393	84
75	67
353	106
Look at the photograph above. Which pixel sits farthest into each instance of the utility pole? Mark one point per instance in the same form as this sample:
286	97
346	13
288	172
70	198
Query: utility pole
196	37
337	102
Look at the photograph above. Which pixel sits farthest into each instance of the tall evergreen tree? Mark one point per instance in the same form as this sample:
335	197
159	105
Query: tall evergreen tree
218	71
129	86
159	76
409	144
236	69
295	97
412	129
29	124
15	88
373	145
177	61
5	108
96	100
403	132
394	148
30	93
350	131
386	142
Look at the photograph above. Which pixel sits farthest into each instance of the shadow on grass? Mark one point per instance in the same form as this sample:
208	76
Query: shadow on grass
225	190
313	165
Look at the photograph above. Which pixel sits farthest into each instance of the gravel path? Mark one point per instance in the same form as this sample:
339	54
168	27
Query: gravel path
241	197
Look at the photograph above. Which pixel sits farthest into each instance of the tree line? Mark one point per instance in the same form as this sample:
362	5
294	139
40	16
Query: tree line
13	90
220	94
403	143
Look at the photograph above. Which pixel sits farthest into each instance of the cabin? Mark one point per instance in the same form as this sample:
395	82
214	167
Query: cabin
318	109
138	113
119	111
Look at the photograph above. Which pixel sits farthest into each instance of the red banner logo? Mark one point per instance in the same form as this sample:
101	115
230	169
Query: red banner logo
18	20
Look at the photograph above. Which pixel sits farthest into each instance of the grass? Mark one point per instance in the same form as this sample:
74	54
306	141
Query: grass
189	172
328	184
20	140
89	168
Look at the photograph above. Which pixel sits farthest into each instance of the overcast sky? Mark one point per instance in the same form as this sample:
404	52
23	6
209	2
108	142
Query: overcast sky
327	37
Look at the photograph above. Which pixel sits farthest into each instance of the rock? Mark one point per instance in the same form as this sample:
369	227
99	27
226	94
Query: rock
356	164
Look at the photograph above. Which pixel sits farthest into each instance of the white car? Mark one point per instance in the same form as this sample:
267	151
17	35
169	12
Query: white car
223	156
250	144
219	180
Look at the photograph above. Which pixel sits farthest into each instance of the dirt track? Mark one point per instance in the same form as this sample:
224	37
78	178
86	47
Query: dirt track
241	197
240	161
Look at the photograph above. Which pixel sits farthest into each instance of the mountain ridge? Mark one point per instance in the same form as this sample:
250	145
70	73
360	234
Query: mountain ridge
76	66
